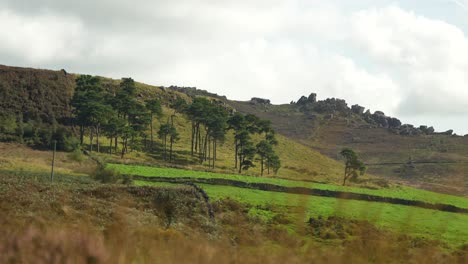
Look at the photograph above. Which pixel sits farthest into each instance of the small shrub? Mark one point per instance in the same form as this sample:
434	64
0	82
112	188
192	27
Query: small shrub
70	143
76	155
106	175
127	179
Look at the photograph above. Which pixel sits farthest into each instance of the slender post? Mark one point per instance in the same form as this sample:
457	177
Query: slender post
53	161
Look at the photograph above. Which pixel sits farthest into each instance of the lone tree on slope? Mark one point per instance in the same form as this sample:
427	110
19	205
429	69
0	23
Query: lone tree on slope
353	166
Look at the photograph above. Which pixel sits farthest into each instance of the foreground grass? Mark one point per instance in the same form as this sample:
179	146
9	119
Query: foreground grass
450	228
402	192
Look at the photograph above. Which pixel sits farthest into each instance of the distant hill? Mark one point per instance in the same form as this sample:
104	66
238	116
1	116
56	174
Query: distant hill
55	89
402	152
310	130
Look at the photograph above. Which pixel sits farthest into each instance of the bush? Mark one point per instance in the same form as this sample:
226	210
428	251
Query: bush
106	175
127	179
76	155
71	143
8	124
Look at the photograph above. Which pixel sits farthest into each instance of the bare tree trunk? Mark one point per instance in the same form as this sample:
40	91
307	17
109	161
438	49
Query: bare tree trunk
345	176
97	138
205	146
237	151
240	159
124	147
192	139
91	139
165	147
151	128
196	137
209	151
81	134
214	152
170	153
261	167
110	146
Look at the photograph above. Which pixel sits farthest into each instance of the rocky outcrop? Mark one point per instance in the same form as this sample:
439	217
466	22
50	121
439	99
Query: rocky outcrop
312	98
427	130
448	133
256	100
357	109
393	122
307	100
332	105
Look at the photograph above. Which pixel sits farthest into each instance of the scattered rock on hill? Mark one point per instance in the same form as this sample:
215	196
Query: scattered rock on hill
256	100
308	100
448	132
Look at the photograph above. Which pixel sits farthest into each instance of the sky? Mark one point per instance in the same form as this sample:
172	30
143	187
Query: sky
408	58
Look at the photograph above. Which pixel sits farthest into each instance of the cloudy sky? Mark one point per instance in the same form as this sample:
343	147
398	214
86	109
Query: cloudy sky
406	58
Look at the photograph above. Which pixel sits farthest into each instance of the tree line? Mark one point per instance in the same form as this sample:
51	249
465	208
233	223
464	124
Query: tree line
122	118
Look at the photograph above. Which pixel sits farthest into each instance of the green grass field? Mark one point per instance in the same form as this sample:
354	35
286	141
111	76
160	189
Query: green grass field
450	228
402	192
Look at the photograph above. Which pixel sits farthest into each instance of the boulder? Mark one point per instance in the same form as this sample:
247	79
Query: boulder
256	100
426	130
393	122
332	105
312	98
357	109
303	100
380	119
448	132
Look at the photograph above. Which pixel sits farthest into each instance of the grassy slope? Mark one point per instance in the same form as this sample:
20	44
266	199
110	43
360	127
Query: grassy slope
447	227
376	145
394	192
298	161
19	159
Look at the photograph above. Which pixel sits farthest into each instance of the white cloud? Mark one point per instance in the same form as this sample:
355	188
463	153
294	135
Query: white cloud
382	57
428	57
40	39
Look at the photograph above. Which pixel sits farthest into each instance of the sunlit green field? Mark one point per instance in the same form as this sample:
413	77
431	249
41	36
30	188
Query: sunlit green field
402	192
451	228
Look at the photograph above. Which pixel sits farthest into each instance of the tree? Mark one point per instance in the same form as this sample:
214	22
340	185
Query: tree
173	137
264	149
179	105
273	162
112	129
246	156
209	118
155	109
135	115
237	123
165	131
353	166
90	107
246	150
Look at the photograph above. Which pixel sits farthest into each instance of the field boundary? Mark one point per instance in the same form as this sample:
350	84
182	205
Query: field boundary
304	191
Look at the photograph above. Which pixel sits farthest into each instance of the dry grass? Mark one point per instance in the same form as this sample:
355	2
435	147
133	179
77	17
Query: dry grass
97	223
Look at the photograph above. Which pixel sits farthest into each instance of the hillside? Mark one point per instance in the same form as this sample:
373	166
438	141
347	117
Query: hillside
299	161
134	205
311	132
420	157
